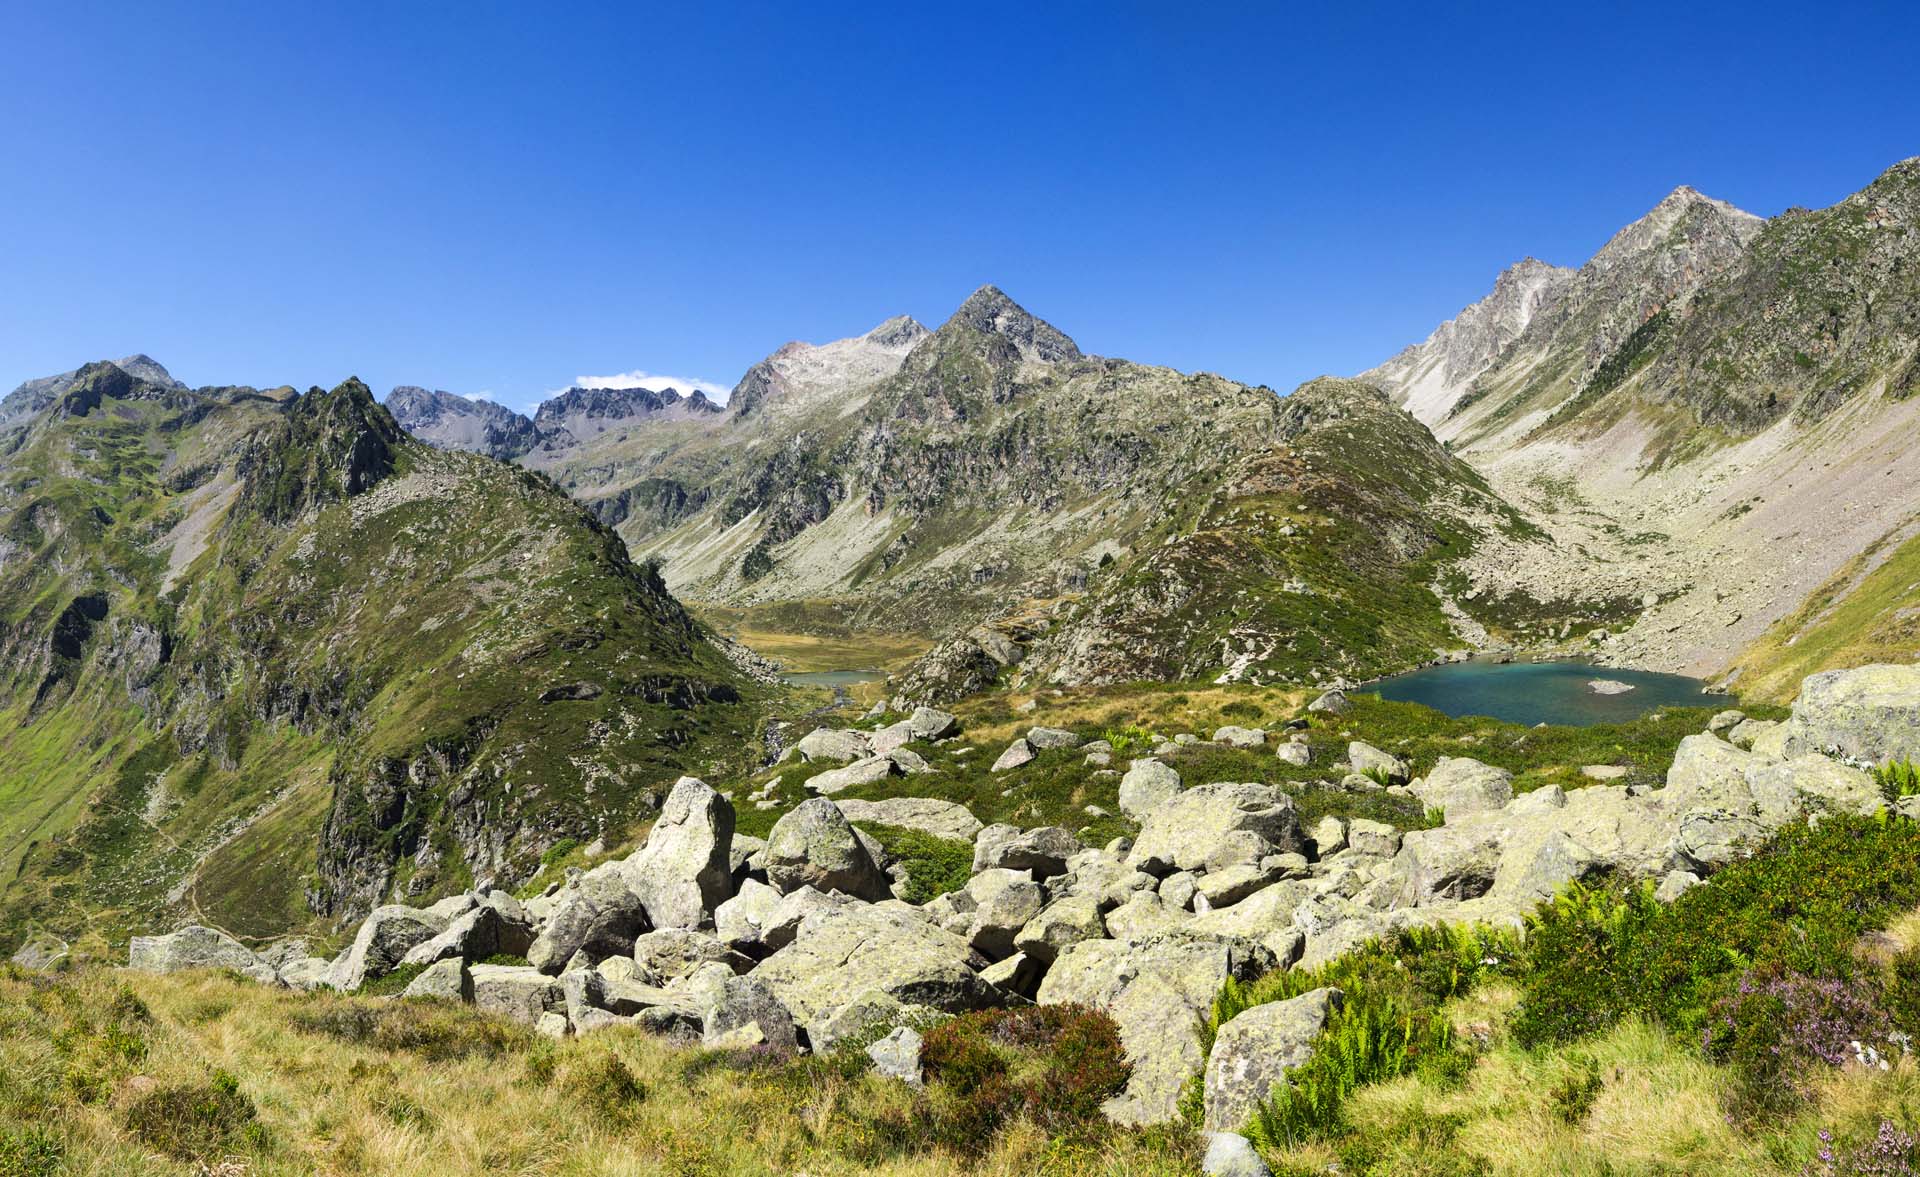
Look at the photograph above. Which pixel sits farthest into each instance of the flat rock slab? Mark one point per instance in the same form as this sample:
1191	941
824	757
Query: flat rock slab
929	815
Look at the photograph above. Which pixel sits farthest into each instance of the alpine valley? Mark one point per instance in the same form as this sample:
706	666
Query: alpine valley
1112	866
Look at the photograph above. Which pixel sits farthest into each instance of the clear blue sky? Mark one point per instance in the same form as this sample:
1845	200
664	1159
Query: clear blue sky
493	197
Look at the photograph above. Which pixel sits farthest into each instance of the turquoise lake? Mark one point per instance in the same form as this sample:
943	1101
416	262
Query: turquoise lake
1543	692
834	678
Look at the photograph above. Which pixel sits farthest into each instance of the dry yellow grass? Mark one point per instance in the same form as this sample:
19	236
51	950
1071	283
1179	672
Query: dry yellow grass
334	1107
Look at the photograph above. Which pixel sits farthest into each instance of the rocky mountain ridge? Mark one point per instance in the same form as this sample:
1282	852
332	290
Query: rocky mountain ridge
272	658
1712	417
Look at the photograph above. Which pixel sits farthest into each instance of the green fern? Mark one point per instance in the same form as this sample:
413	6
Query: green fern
1897	779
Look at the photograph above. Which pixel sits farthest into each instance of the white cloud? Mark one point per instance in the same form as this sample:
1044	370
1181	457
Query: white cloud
684	385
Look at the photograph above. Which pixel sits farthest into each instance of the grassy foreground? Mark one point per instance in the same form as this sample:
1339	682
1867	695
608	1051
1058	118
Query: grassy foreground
104	1073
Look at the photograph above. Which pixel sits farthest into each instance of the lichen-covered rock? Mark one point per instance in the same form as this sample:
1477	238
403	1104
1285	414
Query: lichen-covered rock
1156	990
1044	738
1240	737
520	992
1331	703
1061	923
446	980
685	869
383	941
814	846
829	744
931	723
670	953
1043	850
746	1013
868	771
1018	753
1371	762
195	947
841	953
942	819
1147	785
1253	1053
1869	714
897	1056
496	926
1183	833
1003	901
1459	786
597	914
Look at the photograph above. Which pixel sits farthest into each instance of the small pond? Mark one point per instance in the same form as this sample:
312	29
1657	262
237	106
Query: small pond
1544	692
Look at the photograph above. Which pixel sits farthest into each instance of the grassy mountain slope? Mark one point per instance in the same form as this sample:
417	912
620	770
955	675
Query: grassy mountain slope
262	660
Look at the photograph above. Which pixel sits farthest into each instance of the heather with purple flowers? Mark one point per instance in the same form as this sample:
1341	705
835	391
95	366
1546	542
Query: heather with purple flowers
1891	1153
1773	1024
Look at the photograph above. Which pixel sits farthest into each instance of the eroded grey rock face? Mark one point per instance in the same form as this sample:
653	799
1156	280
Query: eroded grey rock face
685	869
1253	1053
830	744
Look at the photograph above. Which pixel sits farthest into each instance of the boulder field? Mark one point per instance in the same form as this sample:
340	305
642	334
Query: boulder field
801	942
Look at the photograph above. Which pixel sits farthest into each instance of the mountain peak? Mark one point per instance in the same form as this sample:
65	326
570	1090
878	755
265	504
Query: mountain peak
901	331
989	311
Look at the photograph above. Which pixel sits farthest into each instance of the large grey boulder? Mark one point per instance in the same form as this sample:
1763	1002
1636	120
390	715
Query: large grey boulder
1334	702
685	870
1370	761
868	771
942	819
671	953
496	926
741	921
1870	714
383	941
1253	1053
814	846
745	1014
519	992
1018	753
1186	831
446	980
931	723
1148	784
891	738
195	947
1062	923
1044	738
828	744
597	914
1459	786
839	954
1044	850
1156	990
1003	901
1233	736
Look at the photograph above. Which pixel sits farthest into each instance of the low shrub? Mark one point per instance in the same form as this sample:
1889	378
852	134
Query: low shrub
1891	1152
194	1121
604	1084
1052	1066
1574	1095
1596	954
434	1031
1775	1025
934	866
1389	1024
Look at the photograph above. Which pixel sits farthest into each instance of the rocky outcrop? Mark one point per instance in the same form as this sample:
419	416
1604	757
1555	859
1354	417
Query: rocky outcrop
814	846
684	872
195	947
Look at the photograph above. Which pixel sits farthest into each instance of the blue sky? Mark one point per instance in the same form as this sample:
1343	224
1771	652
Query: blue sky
496	198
